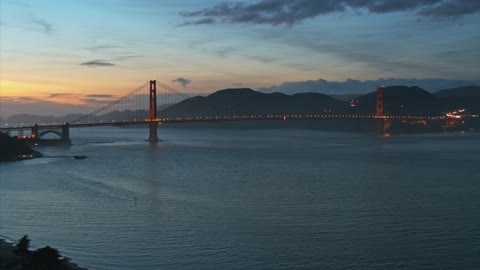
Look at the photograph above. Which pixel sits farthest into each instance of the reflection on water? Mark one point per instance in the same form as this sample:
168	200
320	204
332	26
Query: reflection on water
251	199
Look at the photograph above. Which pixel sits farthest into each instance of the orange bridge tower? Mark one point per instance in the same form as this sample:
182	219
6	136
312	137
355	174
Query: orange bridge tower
380	112
152	114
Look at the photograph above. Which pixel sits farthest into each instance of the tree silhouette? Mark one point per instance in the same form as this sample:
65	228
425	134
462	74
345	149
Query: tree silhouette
22	247
45	258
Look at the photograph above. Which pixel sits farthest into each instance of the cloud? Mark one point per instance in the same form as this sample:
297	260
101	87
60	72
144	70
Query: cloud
47	27
451	9
198	22
292	12
99	96
102	47
22	100
262	59
95	102
54	95
361	87
127	57
98	99
97	63
184	82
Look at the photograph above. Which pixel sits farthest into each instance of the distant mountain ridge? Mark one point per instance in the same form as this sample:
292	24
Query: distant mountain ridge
28	118
363	87
399	100
245	101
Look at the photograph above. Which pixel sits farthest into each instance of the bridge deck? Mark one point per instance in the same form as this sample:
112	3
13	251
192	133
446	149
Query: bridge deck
227	118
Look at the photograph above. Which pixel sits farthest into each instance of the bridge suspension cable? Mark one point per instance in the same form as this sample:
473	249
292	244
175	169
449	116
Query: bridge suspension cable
134	106
113	104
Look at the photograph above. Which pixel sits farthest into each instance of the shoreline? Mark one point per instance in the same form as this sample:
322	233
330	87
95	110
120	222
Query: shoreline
8	260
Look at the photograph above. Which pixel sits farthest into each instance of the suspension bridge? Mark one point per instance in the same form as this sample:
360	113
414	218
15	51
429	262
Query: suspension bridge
141	105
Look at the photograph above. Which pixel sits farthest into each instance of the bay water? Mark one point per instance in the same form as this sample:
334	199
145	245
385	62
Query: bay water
226	198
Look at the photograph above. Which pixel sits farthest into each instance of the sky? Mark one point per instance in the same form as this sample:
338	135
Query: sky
60	56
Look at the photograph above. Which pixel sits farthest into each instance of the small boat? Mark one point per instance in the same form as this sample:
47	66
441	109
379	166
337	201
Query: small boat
79	157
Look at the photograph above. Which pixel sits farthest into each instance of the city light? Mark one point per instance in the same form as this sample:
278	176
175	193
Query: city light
458	114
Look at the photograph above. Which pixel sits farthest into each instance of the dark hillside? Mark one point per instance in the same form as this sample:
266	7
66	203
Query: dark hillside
400	100
460	92
12	149
247	101
467	97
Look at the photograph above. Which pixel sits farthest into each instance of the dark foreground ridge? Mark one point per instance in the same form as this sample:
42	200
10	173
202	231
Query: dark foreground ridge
19	256
14	150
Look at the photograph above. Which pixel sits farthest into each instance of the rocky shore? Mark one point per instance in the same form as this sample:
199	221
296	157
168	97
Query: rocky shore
14	150
11	261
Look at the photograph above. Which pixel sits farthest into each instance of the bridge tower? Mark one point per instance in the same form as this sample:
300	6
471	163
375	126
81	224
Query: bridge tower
34	130
65	133
380	112
152	114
